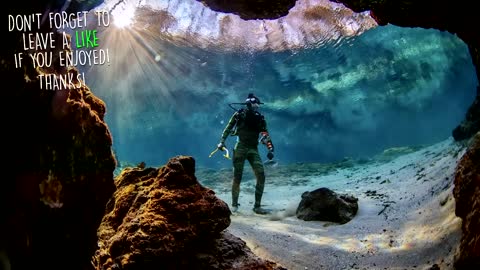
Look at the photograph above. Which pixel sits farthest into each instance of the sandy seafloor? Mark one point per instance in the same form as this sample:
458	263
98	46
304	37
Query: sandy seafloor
405	220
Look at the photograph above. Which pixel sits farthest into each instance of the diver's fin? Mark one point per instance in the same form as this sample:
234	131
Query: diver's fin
262	211
270	162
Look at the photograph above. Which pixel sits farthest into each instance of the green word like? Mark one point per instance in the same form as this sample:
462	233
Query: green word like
86	39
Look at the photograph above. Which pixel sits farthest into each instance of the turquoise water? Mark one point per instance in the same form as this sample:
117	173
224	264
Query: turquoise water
389	87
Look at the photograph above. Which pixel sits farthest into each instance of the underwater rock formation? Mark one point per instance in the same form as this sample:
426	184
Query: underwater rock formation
162	218
252	9
60	165
467	198
324	204
198	24
59	161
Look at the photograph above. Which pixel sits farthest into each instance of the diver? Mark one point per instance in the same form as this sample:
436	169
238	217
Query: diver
247	123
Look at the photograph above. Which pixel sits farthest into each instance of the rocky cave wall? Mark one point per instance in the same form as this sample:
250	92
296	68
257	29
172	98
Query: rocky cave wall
467	206
59	160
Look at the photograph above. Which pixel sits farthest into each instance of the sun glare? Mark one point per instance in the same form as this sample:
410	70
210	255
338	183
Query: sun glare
123	16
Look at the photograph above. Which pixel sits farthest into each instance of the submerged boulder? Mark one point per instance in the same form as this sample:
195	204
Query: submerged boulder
324	204
163	218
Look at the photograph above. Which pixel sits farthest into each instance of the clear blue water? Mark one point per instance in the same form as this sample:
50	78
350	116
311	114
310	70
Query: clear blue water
388	87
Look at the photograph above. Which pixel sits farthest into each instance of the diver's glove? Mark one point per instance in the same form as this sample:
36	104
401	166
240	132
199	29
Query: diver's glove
221	145
270	154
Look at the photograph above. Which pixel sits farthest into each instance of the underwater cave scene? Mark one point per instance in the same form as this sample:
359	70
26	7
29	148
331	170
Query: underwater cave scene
353	110
349	97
